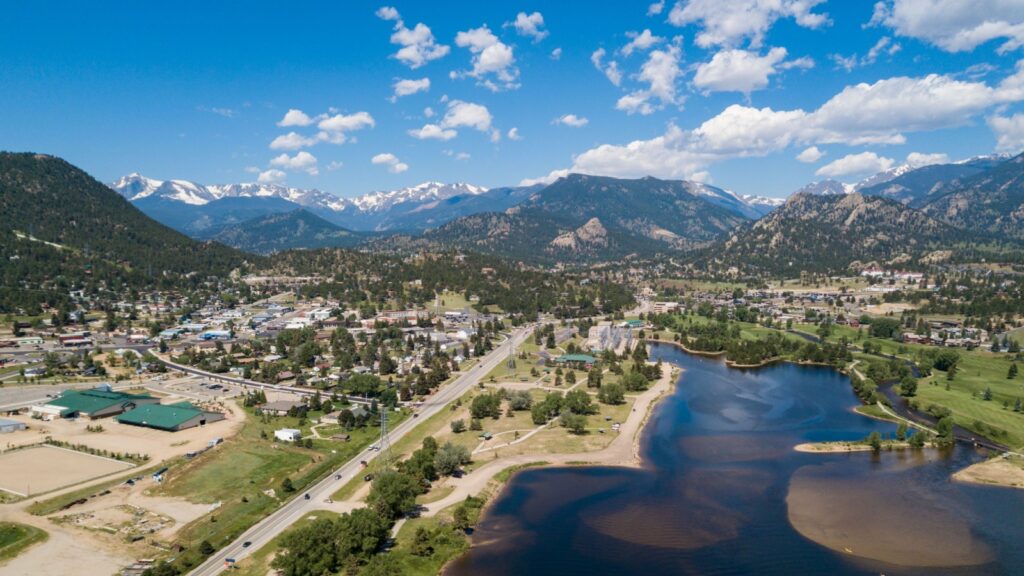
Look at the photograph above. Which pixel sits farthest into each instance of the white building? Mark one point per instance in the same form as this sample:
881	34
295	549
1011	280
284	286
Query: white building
288	434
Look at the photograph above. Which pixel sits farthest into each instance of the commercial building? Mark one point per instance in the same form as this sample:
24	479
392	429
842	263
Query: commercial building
169	417
92	404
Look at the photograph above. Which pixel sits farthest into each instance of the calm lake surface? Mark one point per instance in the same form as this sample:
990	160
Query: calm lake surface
723	492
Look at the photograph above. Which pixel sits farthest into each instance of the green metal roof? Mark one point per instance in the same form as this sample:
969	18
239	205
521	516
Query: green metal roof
161	416
584	358
92	401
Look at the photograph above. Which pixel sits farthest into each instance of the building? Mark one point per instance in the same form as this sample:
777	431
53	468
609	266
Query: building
8	426
664	307
169	417
577	360
92	404
288	434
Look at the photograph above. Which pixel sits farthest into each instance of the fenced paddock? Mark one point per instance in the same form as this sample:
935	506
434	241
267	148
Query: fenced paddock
44	468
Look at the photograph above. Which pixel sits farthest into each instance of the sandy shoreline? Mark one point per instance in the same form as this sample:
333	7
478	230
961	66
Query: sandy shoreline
999	471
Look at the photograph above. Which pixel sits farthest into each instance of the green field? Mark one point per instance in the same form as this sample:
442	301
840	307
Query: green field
240	474
15	538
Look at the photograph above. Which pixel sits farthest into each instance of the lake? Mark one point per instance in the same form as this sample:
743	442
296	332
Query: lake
723	492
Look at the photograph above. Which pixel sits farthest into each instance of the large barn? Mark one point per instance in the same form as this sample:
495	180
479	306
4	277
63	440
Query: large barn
92	404
169	417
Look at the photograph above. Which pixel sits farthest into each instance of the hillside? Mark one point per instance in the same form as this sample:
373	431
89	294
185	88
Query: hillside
991	202
922	185
205	220
583	218
820	233
63	229
285	231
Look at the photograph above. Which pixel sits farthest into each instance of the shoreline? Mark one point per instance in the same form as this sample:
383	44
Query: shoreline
998	472
842	447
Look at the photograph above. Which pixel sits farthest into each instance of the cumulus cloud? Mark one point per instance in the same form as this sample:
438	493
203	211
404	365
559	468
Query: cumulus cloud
303	161
571	120
434	132
611	71
493	60
742	70
955	25
513	134
729	22
863	163
395	166
271	176
640	41
810	155
335	165
407	87
460	114
1009	131
291	141
919	159
656	8
660	72
467	115
556	54
295	117
418	46
347	122
531	25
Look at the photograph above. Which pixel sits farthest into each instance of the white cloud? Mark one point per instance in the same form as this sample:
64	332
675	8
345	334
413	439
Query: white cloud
395	166
467	115
1009	131
656	8
571	120
885	45
863	163
919	159
660	72
335	165
640	41
418	46
407	87
738	71
387	13
513	134
291	141
347	122
810	155
303	161
428	112
530	25
432	131
556	54
457	155
611	71
492	59
271	176
729	22
666	156
295	117
548	179
955	25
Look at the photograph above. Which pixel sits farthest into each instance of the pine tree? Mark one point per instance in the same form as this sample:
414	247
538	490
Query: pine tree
1012	373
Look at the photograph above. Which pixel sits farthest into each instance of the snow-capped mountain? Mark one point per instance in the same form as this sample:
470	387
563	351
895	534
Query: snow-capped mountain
827	187
762	204
425	192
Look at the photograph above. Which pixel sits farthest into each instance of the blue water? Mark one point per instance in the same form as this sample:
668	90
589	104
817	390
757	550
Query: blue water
720	482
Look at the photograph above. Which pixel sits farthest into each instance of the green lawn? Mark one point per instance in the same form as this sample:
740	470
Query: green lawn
15	538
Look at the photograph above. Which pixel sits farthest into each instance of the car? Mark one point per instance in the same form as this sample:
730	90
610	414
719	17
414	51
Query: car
368	477
306	496
246	544
363	463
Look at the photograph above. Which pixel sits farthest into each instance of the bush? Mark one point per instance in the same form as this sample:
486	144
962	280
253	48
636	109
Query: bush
458	426
450	458
611	393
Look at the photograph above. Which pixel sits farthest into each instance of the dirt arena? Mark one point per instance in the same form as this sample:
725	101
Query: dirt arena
44	468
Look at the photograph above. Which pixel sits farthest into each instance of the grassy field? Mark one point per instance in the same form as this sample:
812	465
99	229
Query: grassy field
14	538
452	301
244	475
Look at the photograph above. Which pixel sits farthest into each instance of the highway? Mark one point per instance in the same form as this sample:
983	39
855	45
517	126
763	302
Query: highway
267	529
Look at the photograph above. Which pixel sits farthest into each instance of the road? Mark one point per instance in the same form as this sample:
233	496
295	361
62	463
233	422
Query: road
270	527
249	383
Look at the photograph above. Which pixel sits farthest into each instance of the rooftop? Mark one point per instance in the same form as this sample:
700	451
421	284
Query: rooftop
161	416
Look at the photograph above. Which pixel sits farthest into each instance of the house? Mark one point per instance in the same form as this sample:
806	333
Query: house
92	404
577	360
169	417
288	434
285	375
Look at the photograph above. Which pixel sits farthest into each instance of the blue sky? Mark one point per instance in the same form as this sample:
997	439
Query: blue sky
726	91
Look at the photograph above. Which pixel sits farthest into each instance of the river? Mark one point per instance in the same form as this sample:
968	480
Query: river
723	492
